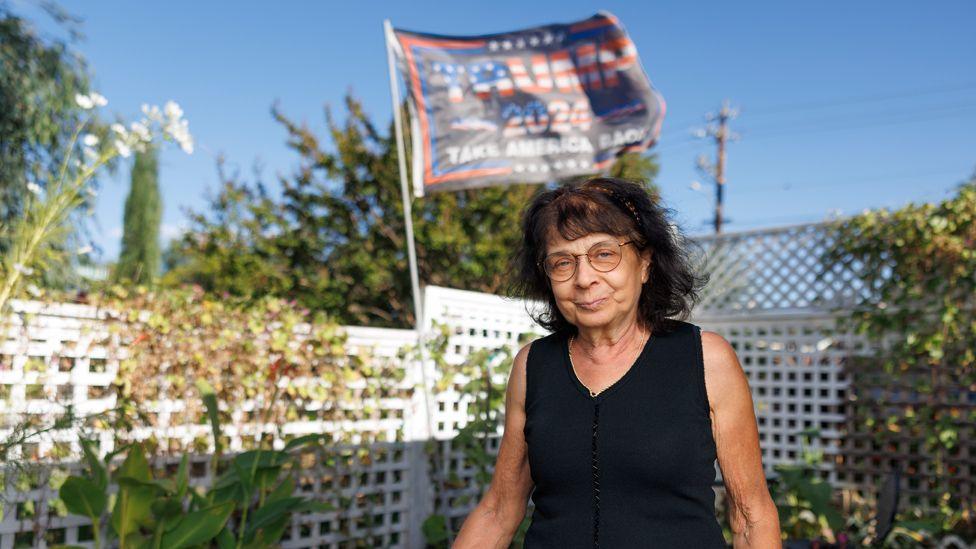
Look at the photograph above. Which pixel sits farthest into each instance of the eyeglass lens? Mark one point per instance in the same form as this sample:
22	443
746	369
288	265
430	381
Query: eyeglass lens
603	256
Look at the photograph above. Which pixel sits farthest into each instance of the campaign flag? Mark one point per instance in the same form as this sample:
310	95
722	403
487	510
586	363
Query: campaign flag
525	106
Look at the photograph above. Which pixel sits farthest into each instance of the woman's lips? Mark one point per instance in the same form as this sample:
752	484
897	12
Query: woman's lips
591	305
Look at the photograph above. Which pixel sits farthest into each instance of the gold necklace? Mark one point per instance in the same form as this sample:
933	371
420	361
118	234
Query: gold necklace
575	373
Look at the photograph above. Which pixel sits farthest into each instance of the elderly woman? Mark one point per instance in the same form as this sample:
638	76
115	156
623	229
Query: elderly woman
617	417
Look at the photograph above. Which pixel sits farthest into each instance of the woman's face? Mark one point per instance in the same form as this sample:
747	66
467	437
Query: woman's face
594	299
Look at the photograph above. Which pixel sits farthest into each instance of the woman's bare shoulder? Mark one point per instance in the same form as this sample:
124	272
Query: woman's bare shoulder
724	377
517	377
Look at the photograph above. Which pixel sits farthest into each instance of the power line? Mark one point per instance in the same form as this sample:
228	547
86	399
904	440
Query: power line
796	107
790	186
869	115
772	132
767	132
800	107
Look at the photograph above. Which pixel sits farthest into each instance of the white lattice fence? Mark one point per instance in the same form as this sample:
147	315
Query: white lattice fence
768	295
475	321
773	298
795	365
54	356
776	270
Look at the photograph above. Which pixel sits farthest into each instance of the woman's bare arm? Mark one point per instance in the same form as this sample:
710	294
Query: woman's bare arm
753	516
493	523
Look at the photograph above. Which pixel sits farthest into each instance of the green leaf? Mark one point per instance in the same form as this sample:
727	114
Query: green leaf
269	535
83	497
435	529
98	472
198	527
182	477
283	490
137	541
245	477
225	540
305	440
320	506
270	512
135	464
931	526
197	501
266	476
261	458
136	493
209	398
166	507
251	467
163	485
834	519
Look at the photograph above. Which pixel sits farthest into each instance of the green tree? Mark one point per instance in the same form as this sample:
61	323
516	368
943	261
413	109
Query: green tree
37	108
336	241
39	80
140	256
917	309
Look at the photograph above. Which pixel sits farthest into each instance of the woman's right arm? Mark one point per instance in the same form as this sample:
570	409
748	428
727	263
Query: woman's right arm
495	520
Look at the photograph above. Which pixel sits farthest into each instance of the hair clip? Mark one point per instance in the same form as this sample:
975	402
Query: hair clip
626	202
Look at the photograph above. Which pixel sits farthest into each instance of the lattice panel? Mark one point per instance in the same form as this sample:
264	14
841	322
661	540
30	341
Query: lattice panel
775	270
369	490
475	321
53	356
867	459
795	365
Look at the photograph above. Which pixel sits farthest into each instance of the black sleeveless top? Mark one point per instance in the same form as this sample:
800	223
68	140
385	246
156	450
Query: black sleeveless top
630	467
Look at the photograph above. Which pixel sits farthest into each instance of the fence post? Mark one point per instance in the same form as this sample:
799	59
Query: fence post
416	435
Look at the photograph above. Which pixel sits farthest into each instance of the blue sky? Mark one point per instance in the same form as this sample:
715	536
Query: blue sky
844	105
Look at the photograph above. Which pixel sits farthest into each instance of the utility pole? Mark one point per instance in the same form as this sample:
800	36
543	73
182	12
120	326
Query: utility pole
717	129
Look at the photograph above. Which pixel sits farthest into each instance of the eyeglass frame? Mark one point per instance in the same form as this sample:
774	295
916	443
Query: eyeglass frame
542	262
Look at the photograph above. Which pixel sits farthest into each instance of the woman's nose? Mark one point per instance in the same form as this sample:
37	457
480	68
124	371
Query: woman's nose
585	273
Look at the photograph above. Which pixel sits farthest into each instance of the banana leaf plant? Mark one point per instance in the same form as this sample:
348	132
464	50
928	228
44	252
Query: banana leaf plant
248	505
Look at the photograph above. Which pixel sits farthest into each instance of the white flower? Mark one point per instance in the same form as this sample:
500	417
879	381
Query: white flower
34	188
808	516
172	110
22	269
152	112
141	131
85	250
90	140
33	290
91	155
182	137
84	101
98	99
119	129
90	191
187	145
124	150
179	131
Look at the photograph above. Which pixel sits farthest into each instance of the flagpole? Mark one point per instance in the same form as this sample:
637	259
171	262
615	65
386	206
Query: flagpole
428	433
402	160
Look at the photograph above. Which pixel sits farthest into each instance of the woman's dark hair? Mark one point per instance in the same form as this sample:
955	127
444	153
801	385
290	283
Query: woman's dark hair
621	208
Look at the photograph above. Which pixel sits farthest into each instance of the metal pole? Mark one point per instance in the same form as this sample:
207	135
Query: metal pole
402	160
428	433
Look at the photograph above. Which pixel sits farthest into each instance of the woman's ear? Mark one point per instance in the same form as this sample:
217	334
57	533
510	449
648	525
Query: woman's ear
646	263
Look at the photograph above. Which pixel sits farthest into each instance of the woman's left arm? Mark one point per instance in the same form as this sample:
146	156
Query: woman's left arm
752	513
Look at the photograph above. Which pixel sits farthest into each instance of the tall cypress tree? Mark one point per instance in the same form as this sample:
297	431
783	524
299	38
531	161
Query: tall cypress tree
140	256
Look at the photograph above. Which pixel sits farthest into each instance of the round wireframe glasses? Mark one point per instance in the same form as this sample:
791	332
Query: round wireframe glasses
603	256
